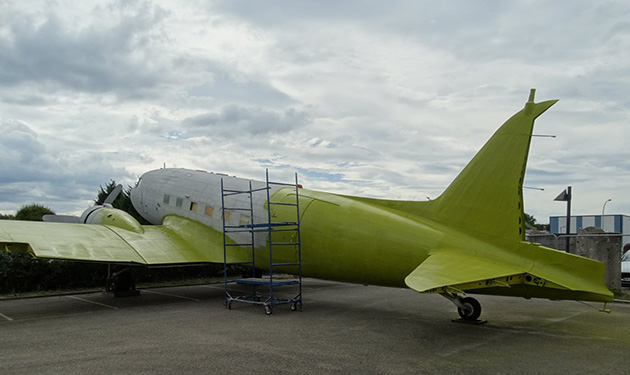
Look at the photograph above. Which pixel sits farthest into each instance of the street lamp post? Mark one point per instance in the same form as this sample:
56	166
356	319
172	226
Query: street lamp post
566	197
603	208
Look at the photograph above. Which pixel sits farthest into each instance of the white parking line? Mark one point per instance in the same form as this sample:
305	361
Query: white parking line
169	295
92	302
6	317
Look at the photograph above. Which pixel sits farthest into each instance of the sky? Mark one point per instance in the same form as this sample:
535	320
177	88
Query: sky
369	98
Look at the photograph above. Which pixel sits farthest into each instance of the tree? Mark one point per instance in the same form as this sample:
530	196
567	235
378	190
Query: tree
122	202
7	217
33	212
104	192
530	223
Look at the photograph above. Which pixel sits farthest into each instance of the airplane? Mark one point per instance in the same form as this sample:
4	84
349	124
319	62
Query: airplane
469	240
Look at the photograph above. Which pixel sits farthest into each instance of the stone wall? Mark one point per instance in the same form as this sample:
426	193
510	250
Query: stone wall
594	243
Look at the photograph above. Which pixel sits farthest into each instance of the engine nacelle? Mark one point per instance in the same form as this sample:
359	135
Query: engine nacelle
107	215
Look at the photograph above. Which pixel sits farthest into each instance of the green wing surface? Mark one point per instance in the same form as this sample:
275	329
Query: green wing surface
177	241
450	269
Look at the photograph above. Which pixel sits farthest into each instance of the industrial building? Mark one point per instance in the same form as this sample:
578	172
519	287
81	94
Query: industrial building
609	223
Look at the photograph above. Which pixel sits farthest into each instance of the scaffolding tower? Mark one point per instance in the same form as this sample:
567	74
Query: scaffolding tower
282	230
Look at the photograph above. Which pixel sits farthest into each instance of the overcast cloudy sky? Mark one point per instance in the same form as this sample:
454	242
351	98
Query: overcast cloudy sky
371	98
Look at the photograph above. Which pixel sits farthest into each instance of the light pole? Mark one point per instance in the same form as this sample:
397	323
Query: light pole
565	196
603	208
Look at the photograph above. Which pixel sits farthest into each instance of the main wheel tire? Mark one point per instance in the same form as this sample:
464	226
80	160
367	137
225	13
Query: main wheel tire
472	311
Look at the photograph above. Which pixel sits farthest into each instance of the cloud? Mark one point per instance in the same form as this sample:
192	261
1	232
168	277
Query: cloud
29	172
234	121
122	52
227	90
368	98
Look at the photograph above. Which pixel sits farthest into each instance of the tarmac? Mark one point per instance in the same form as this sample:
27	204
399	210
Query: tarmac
343	329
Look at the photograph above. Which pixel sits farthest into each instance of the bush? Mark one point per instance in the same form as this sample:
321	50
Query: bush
21	273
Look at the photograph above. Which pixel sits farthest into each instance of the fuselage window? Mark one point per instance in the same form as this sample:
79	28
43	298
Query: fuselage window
244	220
209	210
227	214
167	199
179	202
193	206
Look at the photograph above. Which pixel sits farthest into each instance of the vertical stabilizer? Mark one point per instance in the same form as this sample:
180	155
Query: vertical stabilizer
486	198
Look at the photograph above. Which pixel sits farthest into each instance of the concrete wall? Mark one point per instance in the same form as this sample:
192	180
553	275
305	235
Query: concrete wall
594	243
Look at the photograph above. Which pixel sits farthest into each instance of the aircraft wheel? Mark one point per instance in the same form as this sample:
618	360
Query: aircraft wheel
473	310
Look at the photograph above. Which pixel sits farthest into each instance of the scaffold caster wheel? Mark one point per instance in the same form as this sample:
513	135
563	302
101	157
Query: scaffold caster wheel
268	310
229	305
473	310
293	306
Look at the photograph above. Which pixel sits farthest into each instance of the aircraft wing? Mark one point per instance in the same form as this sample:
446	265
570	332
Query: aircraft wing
177	241
458	270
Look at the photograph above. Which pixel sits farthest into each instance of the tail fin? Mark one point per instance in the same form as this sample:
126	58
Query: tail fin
487	196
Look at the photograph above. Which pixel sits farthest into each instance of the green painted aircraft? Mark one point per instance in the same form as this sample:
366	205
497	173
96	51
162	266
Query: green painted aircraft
470	240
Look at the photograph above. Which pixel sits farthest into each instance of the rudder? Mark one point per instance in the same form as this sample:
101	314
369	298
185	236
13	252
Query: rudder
486	198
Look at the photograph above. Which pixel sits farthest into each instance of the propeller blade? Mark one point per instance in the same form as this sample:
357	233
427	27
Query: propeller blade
61	219
113	195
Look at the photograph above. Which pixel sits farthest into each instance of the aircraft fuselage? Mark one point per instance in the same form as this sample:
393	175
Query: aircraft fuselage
341	238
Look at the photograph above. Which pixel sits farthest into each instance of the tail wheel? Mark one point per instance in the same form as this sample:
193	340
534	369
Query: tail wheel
472	310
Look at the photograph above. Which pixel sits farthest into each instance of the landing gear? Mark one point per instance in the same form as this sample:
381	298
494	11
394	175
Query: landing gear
471	309
468	308
121	283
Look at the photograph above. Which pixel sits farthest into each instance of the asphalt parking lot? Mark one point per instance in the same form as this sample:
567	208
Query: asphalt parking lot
343	329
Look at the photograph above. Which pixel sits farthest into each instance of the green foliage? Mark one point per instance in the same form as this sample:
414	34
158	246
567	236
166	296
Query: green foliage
530	219
7	217
530	223
21	273
122	202
32	212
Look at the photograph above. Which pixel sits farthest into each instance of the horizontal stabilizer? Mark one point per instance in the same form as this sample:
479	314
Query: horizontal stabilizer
554	275
445	268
